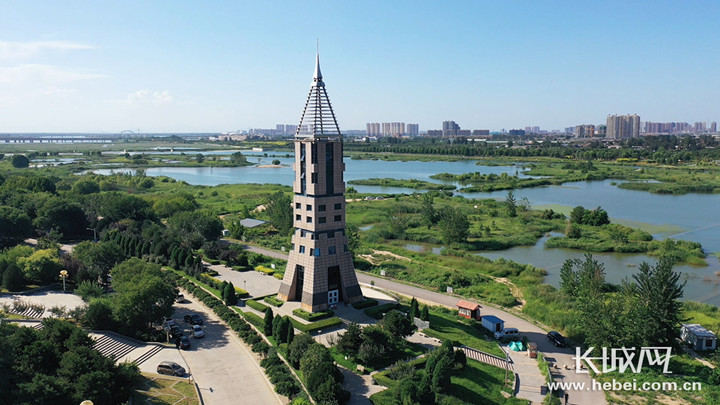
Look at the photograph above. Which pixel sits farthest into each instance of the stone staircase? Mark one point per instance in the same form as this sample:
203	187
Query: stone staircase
147	355
30	311
115	346
486	358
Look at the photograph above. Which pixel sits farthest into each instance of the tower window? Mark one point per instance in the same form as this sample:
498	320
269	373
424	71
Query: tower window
298	217
321	220
331	250
313	178
321	208
338	218
338	206
298	205
308	207
302	249
309	220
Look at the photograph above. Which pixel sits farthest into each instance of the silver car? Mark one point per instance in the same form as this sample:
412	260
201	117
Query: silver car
198	331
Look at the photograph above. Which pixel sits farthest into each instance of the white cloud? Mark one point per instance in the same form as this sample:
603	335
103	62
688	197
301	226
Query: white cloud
14	51
146	96
52	90
35	73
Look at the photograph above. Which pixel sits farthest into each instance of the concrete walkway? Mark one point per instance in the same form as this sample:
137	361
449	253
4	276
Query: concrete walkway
528	375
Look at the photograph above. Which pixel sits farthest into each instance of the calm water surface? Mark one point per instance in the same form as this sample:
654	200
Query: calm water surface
692	216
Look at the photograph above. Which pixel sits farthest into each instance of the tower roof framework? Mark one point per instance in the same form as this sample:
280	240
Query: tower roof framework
318	118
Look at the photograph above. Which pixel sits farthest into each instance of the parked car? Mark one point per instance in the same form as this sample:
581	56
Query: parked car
169	322
198	331
180	298
194	319
556	338
507	333
170	368
184	343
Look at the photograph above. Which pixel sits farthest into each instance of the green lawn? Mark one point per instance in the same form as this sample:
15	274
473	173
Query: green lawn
155	389
446	326
477	383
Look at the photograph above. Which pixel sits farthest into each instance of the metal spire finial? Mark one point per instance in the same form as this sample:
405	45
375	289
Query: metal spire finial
317	77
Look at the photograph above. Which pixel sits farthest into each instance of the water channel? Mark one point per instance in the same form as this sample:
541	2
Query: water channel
692	216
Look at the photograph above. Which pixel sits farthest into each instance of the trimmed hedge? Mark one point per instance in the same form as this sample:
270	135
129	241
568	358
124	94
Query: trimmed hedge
274	301
369	302
377	312
279	276
316	326
256	305
254	319
312	316
263	269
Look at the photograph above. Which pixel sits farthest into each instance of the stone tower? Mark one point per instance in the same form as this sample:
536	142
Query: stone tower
320	270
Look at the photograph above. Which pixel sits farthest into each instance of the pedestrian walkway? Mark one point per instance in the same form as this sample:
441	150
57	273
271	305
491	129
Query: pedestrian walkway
529	378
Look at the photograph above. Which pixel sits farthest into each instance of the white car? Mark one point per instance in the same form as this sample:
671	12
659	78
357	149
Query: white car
198	331
507	332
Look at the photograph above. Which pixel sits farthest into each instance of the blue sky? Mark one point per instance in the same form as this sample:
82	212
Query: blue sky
182	66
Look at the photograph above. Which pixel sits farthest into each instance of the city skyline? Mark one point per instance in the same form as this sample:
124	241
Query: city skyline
180	67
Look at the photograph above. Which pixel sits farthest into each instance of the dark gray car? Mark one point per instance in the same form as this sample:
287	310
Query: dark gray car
170	368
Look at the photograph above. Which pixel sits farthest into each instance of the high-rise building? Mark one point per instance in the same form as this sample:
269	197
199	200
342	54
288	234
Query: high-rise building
623	126
373	129
393	129
699	127
413	129
713	127
585	131
450	128
320	270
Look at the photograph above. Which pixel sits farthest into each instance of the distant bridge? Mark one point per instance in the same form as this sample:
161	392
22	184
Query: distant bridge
55	139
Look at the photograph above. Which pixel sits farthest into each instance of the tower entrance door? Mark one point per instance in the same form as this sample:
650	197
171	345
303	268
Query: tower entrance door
333	297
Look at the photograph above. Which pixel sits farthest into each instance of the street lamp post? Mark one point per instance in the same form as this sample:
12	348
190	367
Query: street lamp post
63	275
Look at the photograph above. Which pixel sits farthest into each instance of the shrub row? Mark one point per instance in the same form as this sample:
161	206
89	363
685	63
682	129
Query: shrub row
274	301
279	375
312	316
263	269
369	302
256	305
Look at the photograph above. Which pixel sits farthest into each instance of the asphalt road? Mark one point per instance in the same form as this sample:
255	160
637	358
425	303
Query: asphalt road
225	370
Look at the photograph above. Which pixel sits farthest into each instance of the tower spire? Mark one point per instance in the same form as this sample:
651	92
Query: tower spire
318	119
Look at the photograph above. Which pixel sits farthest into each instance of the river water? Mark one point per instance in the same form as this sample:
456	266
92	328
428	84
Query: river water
692	216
